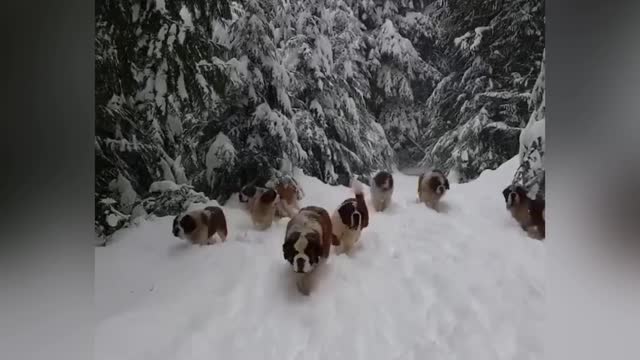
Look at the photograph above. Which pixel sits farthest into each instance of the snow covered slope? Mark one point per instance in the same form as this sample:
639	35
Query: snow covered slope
463	284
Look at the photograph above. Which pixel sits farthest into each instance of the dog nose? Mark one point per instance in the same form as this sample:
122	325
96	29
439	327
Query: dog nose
300	264
175	231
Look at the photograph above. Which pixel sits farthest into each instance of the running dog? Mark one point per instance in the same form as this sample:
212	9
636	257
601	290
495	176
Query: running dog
381	190
351	217
307	244
199	226
431	188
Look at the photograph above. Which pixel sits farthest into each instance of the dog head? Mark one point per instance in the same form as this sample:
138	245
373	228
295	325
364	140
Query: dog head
383	180
183	225
438	182
246	193
514	195
302	251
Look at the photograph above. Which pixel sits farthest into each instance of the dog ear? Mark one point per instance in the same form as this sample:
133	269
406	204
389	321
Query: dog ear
288	250
188	224
506	193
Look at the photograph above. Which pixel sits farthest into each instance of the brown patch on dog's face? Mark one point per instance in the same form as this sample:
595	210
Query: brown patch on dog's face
188	224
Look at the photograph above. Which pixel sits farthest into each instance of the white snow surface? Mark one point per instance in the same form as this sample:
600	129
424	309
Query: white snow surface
465	283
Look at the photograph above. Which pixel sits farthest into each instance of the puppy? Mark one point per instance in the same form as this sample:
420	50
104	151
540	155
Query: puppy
431	188
528	213
262	207
351	217
289	193
381	190
307	243
199	226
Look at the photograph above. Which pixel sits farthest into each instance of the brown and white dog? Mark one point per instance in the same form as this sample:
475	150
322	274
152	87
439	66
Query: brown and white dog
431	188
350	218
262	207
289	193
528	213
381	190
199	226
307	243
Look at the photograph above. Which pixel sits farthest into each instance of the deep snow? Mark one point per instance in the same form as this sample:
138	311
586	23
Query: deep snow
463	284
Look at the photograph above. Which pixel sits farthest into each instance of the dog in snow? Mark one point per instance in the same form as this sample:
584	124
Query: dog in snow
199	226
527	212
262	207
381	190
290	193
350	218
285	204
431	188
307	243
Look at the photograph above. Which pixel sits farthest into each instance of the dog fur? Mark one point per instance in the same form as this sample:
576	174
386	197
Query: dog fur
307	243
289	195
381	190
537	228
199	226
262	207
528	213
350	218
431	188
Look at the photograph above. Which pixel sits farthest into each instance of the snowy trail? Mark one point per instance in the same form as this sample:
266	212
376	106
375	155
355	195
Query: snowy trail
463	284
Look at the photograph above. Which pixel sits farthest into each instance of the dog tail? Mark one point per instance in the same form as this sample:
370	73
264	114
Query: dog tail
361	205
357	188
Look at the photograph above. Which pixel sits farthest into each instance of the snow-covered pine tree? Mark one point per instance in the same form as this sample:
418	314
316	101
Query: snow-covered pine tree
492	50
324	44
256	122
531	172
152	95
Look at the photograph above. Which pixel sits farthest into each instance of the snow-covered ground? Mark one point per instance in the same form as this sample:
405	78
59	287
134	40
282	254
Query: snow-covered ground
463	284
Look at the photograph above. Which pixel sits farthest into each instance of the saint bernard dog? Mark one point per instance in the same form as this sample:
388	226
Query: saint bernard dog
262	207
381	190
528	213
290	193
307	243
199	226
350	218
431	188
